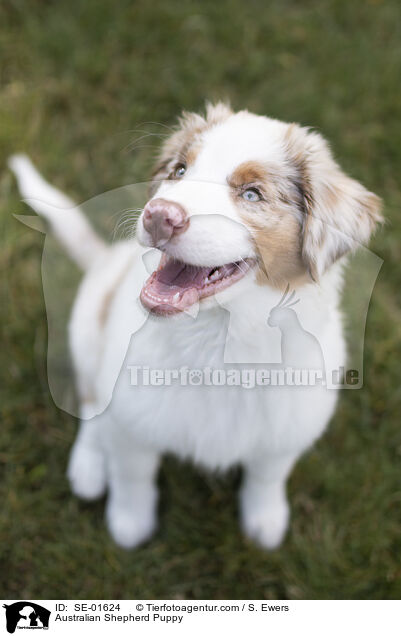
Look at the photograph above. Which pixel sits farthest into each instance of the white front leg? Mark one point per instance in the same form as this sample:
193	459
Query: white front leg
86	467
131	510
264	508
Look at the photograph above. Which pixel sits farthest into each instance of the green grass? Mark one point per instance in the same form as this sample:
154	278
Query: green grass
76	79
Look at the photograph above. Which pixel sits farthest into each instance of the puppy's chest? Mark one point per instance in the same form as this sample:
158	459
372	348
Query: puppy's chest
173	390
159	402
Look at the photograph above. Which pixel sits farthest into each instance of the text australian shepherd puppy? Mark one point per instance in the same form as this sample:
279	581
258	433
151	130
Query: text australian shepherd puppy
249	215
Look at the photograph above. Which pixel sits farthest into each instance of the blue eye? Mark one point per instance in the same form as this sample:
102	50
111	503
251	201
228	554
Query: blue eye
179	171
251	195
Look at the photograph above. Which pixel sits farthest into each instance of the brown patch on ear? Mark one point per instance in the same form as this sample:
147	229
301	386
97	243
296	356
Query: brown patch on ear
338	212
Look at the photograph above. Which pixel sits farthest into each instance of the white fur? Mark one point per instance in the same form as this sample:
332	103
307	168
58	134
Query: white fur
125	430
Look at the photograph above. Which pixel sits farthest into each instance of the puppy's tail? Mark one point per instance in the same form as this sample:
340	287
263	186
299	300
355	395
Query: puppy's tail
66	220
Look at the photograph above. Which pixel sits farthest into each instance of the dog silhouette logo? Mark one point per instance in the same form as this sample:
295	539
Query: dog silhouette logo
26	615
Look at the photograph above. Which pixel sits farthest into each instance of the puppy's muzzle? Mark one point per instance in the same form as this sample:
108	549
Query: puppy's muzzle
164	219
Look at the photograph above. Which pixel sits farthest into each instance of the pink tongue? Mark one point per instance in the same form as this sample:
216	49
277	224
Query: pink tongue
176	286
176	276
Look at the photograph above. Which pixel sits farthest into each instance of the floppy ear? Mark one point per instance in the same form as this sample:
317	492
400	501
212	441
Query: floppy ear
339	214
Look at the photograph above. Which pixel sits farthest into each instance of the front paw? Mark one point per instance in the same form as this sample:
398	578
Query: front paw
265	522
128	527
87	473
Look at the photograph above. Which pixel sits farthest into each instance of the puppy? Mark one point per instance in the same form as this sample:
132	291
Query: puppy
248	216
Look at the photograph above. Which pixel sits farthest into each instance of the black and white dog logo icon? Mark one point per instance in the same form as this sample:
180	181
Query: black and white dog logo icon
26	615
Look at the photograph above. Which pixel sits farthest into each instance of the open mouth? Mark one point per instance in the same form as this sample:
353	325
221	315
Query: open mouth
175	286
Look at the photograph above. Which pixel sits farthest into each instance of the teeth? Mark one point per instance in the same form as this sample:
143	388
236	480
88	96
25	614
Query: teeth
176	297
157	299
215	275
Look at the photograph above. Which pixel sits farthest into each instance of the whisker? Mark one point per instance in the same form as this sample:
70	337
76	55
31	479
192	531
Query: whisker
127	222
130	131
157	123
240	268
244	271
134	144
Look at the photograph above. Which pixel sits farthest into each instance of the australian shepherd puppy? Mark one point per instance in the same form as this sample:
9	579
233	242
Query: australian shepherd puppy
247	216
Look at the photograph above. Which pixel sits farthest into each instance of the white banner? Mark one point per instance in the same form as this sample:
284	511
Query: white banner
320	618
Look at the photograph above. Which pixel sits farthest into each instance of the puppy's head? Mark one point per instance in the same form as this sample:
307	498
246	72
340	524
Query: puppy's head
238	196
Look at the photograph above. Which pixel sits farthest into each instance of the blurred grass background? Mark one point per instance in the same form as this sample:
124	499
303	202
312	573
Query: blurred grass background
77	80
